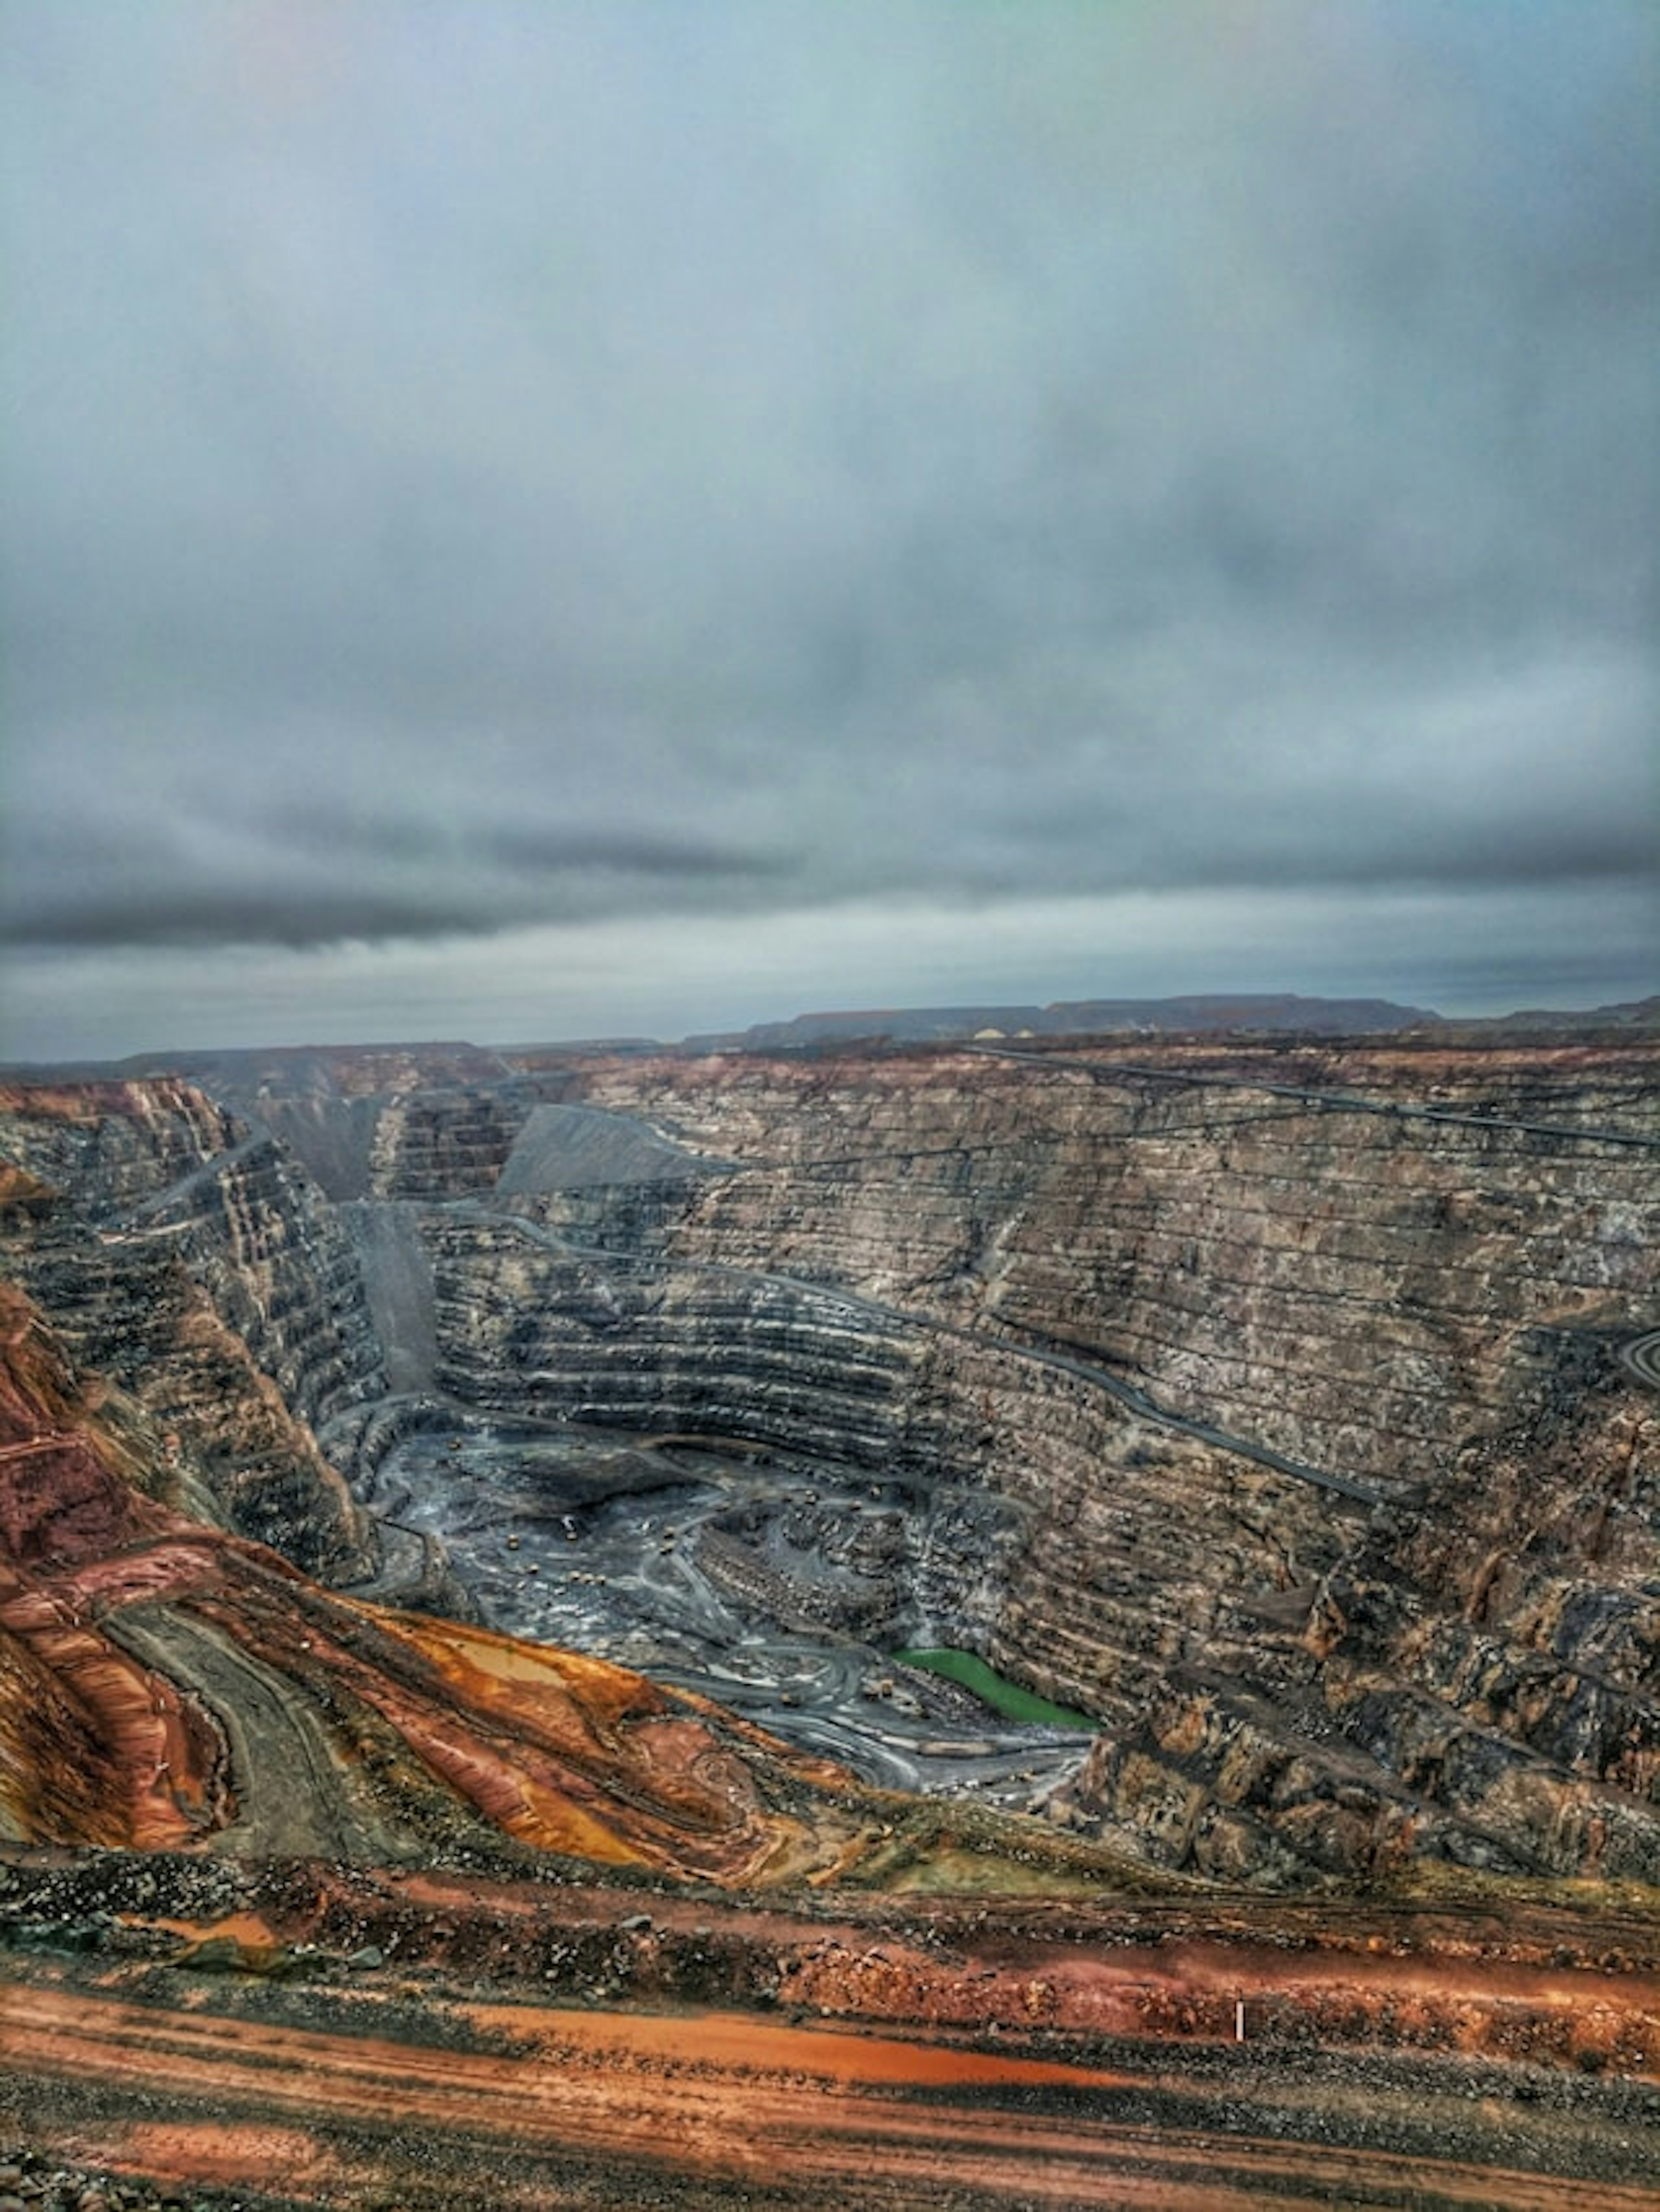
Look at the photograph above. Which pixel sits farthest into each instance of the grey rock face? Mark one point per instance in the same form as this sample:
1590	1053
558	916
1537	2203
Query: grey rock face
196	1267
1406	1268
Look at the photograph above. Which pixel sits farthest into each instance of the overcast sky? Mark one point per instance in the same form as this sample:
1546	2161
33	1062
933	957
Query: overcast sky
539	520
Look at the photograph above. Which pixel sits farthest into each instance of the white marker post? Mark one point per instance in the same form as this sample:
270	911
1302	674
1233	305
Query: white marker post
1239	2020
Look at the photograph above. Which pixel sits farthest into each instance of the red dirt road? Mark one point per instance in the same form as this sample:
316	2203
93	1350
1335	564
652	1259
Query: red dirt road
526	2106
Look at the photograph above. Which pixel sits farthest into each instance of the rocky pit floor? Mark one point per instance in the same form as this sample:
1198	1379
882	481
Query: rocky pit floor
742	1576
291	2032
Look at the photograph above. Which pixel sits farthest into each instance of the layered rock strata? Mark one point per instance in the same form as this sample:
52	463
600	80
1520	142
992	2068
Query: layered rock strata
196	1266
1325	1271
1185	1373
1393	1268
1084	1583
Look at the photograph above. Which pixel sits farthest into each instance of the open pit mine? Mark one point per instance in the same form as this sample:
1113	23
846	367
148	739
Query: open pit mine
1052	1621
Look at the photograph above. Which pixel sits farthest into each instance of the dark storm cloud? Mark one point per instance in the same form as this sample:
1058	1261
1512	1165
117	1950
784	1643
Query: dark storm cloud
204	915
527	849
662	859
476	466
314	877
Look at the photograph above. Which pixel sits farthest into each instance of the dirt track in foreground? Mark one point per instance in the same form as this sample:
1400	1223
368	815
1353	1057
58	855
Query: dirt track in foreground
580	2109
398	2043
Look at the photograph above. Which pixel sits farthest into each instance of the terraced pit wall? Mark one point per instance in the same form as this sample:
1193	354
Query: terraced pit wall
1405	1271
195	1264
1286	1376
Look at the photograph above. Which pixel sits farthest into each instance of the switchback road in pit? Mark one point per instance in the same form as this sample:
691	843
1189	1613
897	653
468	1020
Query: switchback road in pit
898	1319
1641	1358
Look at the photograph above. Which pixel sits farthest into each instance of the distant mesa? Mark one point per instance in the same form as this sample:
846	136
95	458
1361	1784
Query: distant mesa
1261	1013
246	1077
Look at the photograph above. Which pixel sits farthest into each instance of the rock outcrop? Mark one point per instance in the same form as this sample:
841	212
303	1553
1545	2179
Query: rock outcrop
195	1265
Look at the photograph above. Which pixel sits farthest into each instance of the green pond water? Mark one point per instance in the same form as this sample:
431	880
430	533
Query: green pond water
994	1690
